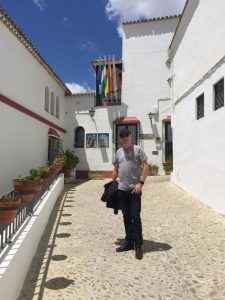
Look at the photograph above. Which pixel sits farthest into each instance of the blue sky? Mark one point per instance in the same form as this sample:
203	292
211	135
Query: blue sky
71	33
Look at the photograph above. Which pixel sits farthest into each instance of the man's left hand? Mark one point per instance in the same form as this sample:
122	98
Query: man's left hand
137	189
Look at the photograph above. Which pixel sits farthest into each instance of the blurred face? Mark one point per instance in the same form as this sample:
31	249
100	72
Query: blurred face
126	140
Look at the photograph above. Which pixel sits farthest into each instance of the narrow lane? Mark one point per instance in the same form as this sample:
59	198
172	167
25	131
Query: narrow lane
184	253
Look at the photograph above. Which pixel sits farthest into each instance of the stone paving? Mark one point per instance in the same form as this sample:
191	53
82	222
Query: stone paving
184	252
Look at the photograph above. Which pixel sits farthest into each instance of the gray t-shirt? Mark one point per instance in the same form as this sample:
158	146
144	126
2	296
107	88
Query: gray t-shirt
129	164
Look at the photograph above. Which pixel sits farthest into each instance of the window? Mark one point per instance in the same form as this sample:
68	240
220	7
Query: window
219	94
200	106
55	146
52	103
57	107
79	137
46	99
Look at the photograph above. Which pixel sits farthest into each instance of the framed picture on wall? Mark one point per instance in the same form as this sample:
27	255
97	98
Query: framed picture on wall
103	140
91	140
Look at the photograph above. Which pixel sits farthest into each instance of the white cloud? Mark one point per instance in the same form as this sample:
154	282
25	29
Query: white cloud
76	88
88	46
128	10
40	4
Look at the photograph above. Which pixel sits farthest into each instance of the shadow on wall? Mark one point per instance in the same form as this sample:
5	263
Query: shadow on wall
81	152
116	111
191	7
105	157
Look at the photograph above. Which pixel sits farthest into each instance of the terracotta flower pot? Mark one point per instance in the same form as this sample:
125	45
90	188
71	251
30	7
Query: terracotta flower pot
22	185
167	172
39	186
67	172
7	216
46	181
27	196
46	177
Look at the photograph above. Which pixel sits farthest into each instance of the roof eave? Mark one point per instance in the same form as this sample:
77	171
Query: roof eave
170	49
151	20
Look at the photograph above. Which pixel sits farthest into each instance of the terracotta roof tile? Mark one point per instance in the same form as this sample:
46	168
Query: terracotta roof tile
151	20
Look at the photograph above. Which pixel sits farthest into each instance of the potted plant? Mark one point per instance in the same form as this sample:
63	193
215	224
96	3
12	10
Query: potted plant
96	175
153	170
168	169
58	163
45	174
35	175
71	163
7	215
27	186
168	161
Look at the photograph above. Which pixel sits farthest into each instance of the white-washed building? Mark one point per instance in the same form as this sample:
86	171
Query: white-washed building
197	64
39	115
144	90
32	106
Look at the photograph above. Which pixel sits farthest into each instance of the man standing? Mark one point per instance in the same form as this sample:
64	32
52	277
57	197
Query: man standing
131	166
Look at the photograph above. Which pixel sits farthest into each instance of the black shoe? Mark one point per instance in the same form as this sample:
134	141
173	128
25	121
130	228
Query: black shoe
125	247
138	252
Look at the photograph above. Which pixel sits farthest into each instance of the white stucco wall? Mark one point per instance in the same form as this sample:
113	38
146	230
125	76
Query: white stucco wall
24	140
77	115
145	76
23	79
144	82
199	43
199	161
101	158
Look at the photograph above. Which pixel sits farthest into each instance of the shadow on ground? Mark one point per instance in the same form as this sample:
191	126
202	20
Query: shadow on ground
43	260
149	246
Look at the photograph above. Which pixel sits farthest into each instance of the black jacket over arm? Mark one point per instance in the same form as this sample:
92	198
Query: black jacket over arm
110	196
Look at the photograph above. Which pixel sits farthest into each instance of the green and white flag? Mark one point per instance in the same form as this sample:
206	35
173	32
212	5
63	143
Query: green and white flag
115	93
103	82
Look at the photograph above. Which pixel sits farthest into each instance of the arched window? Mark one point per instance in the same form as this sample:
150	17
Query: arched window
57	107
79	137
52	103
46	99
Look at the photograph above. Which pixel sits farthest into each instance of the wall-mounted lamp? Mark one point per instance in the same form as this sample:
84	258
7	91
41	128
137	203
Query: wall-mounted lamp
150	115
92	112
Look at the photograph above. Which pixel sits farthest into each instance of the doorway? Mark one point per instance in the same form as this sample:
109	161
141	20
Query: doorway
134	129
168	142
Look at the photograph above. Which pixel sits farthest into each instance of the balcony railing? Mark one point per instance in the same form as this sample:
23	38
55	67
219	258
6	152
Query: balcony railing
108	102
25	211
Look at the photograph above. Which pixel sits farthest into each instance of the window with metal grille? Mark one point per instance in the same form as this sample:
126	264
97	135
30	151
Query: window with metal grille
55	146
219	94
200	106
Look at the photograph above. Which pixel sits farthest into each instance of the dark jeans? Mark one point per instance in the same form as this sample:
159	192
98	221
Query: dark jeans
130	205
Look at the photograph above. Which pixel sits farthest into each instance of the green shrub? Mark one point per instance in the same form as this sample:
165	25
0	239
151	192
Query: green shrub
168	168
72	159
153	169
